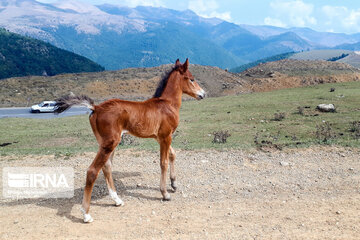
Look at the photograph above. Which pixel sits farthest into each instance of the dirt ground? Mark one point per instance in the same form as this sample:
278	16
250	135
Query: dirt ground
293	194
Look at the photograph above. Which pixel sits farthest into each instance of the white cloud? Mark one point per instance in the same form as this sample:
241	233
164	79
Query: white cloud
334	11
295	13
134	3
274	22
342	17
208	9
129	3
201	6
353	20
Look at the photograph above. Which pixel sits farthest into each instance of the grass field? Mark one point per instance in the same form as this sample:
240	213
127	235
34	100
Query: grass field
249	118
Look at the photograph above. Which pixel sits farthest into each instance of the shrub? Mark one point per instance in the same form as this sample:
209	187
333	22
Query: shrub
324	132
279	116
127	140
355	129
334	59
300	110
267	141
221	136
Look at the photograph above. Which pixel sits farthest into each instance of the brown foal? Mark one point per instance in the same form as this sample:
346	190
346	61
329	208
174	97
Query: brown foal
156	118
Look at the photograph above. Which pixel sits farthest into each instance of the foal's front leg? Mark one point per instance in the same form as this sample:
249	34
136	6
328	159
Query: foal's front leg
164	162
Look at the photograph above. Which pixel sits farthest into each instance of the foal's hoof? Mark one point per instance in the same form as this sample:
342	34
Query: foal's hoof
166	197
173	185
119	203
88	218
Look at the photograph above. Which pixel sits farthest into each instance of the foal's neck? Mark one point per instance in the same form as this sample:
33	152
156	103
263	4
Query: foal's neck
172	91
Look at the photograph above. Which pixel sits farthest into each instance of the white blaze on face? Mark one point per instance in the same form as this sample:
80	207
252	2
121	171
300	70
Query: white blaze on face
201	93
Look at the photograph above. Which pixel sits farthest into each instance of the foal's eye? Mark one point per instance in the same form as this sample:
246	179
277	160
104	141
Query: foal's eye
191	79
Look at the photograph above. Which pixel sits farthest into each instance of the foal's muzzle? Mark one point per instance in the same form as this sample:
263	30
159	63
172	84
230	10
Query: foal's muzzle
200	94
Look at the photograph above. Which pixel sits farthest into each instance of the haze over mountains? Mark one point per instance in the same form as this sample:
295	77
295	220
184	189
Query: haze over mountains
121	37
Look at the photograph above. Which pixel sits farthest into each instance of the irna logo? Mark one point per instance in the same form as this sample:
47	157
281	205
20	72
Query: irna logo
37	180
32	182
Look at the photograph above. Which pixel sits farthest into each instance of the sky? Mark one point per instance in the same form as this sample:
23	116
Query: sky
320	15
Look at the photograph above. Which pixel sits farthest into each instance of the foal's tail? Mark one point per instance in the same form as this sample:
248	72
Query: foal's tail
64	103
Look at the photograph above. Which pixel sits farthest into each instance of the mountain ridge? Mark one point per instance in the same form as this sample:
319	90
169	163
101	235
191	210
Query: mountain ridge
98	32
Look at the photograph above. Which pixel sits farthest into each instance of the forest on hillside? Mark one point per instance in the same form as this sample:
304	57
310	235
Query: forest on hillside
24	56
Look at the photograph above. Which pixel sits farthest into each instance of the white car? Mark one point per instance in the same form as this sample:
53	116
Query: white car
45	106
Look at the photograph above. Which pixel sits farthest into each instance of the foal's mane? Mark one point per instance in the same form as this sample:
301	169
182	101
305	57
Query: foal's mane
162	83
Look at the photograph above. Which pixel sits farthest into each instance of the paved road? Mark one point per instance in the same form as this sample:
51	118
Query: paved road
25	113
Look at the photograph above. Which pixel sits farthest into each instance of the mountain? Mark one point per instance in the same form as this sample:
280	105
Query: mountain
278	44
171	34
325	39
353	46
134	39
23	56
120	37
319	39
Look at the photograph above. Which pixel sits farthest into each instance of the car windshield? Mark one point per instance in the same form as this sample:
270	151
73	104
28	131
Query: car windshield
41	104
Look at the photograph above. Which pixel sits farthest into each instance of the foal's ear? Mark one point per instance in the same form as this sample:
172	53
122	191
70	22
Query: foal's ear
177	63
186	65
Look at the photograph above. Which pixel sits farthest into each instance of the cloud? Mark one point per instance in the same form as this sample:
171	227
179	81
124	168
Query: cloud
134	3
295	13
352	22
342	17
208	9
334	11
129	3
274	22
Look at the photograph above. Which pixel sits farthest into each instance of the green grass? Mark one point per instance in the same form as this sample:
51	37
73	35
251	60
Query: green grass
244	116
47	136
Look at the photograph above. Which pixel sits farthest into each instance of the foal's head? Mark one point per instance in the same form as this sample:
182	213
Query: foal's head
187	81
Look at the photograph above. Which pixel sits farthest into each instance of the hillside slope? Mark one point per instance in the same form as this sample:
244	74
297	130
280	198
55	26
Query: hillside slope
335	55
131	84
350	46
23	56
278	57
140	83
289	73
353	59
339	55
320	54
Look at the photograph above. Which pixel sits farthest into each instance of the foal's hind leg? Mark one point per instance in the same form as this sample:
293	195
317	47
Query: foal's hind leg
109	181
164	162
92	173
172	168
